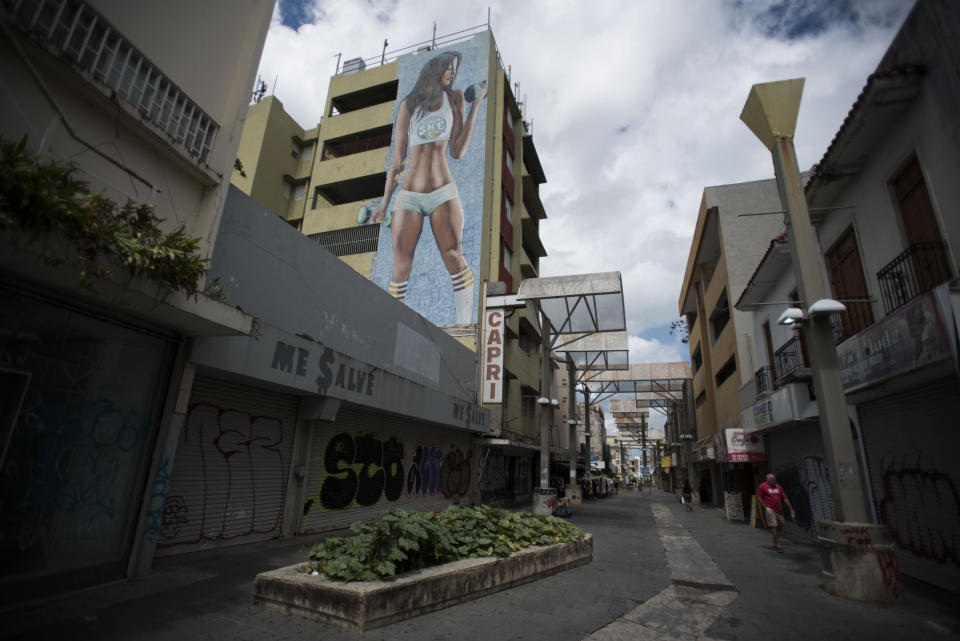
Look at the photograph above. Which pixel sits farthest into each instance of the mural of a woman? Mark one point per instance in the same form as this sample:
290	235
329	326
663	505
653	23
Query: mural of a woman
430	122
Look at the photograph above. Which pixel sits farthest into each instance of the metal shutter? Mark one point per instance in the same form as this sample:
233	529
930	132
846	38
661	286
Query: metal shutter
797	458
367	462
230	473
911	440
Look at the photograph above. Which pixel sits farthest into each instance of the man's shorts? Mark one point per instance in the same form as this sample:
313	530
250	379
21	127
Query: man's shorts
773	519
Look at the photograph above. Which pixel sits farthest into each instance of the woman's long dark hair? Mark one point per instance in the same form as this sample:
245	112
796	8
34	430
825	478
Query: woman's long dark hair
428	90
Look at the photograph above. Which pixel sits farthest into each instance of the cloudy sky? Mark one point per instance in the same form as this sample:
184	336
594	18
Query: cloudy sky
635	108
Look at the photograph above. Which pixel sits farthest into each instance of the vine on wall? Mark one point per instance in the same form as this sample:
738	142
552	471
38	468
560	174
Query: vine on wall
44	199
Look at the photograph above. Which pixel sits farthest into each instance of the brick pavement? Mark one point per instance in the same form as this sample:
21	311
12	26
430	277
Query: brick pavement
207	595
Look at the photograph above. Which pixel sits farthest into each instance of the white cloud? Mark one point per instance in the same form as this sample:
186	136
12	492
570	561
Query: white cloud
644	350
635	109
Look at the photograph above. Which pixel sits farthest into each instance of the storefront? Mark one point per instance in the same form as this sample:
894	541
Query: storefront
901	372
343	403
80	410
740	455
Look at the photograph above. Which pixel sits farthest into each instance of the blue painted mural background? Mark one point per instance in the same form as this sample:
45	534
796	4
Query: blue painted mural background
429	291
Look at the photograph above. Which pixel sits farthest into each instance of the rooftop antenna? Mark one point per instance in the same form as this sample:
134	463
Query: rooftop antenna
488	17
260	90
276	79
383	56
433	41
338	63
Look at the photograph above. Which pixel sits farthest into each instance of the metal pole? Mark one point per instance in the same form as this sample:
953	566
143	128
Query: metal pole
545	409
572	416
818	332
588	457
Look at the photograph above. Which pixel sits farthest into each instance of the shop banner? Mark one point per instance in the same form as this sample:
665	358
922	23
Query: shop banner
739	446
493	356
911	337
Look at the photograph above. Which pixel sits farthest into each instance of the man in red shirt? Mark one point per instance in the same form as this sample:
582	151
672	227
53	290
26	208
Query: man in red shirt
773	497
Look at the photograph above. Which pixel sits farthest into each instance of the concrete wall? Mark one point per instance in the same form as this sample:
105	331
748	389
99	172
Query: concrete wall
216	71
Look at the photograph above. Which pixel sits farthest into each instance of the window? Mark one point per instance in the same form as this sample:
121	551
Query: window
729	369
300	191
349	241
848	283
287	189
508	208
720	315
701	398
696	359
306	152
369	140
691	321
507	257
508	157
528	406
525	342
294	150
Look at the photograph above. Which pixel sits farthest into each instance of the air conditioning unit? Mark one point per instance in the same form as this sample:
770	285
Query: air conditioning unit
353	65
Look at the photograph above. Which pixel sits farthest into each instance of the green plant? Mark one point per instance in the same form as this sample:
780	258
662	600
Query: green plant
402	541
44	199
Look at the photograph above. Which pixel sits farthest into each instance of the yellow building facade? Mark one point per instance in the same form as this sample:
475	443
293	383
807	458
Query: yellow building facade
319	179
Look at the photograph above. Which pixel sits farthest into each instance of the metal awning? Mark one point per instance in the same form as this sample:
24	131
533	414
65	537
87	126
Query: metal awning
656	385
583	303
601	351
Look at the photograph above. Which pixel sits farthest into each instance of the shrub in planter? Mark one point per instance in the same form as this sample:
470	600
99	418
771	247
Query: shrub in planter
402	541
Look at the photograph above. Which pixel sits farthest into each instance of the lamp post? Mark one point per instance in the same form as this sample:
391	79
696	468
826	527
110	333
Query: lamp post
771	114
860	571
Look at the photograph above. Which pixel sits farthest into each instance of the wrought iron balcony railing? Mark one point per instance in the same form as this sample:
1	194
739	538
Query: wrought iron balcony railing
789	358
80	34
764	378
919	269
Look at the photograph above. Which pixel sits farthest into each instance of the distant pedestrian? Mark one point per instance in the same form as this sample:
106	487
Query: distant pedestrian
686	495
772	495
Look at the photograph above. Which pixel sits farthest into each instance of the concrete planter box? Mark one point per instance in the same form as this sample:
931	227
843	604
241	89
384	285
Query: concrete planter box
364	605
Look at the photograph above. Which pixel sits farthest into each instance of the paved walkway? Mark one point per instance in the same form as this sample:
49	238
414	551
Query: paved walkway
658	572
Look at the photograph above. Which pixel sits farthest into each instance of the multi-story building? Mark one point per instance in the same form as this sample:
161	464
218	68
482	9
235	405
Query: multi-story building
734	226
354	183
883	199
146	102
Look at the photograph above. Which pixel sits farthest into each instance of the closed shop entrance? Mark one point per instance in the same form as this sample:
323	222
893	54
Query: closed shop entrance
229	479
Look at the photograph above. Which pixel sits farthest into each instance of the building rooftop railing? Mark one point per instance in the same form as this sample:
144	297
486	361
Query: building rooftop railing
359	64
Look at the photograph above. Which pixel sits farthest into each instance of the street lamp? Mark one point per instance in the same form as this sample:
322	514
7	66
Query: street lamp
771	114
854	570
791	317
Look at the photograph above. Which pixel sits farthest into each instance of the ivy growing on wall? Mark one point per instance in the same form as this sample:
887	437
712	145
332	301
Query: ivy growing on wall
44	199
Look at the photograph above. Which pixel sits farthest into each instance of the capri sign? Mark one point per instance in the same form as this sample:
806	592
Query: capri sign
493	356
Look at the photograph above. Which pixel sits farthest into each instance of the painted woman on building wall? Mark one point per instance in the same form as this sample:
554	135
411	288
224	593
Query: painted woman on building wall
431	121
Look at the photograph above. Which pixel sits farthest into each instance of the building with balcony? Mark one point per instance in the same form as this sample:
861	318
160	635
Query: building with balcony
328	181
146	102
883	199
895	246
734	225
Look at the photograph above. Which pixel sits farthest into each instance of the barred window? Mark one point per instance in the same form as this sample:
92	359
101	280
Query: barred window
349	241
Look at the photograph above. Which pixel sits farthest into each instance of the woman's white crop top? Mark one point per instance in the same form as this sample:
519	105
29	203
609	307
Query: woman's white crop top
433	126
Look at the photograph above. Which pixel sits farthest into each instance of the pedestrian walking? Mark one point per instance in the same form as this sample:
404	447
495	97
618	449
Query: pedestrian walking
686	495
773	497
